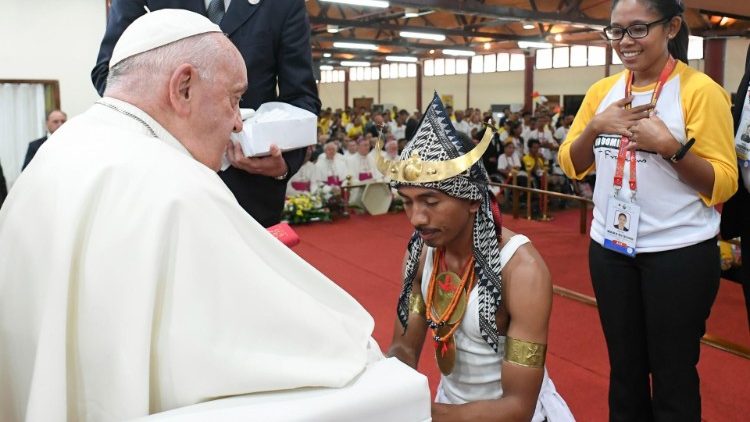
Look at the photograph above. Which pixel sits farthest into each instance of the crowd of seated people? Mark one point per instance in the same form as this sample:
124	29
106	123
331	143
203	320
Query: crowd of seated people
523	150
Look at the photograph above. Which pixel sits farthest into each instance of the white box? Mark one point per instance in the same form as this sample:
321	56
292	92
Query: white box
282	124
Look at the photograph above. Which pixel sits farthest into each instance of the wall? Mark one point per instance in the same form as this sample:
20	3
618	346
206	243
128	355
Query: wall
734	65
503	87
60	41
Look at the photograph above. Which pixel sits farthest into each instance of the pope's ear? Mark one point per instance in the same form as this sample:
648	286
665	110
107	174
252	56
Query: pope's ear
181	88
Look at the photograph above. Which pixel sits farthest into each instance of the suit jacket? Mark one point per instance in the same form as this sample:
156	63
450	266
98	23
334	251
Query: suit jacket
3	187
273	37
735	220
31	151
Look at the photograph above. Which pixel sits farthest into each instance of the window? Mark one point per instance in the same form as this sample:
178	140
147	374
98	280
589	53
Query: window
597	56
695	48
462	66
615	58
353	74
578	55
411	70
544	58
439	67
324	76
477	64
402	71
385	70
450	66
517	61
489	63
375	73
561	57
503	62
394	70
360	73
429	67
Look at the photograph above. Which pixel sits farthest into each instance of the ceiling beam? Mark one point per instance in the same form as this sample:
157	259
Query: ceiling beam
392	27
472	7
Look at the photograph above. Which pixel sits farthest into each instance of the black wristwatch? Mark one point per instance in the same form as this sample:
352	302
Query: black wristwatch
680	154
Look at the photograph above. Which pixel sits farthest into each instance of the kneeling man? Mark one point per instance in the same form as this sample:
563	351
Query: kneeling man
482	292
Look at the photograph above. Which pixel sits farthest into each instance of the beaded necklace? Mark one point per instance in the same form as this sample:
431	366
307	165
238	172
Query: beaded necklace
449	317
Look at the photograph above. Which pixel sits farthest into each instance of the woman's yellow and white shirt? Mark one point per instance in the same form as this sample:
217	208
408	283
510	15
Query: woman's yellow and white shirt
673	214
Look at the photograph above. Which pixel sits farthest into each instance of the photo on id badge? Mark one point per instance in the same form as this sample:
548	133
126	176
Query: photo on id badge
742	146
621	229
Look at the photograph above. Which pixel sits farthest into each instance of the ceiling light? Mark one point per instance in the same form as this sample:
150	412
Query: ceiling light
411	12
365	3
432	51
486	46
405	59
451	52
326	67
528	25
326	54
532	44
422	35
355	45
332	29
558	37
354	63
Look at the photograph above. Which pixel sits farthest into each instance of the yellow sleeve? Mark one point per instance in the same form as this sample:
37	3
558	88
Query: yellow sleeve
528	163
708	119
587	112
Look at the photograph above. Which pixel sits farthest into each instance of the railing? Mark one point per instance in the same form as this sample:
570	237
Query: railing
544	202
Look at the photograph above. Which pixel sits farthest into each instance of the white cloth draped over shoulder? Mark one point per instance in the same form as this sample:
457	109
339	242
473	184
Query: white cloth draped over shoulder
131	282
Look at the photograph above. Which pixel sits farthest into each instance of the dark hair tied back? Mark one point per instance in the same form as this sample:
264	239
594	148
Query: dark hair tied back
678	45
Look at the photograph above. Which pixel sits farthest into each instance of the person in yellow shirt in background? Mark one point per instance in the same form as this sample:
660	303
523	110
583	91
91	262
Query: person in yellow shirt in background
356	129
533	163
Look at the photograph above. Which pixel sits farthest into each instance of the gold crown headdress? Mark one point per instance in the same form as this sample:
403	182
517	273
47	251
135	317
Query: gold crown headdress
432	155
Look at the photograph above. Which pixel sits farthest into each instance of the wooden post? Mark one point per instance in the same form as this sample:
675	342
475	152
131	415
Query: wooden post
713	58
528	81
419	86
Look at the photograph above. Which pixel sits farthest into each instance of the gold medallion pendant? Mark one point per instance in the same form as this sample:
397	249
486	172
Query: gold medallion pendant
445	351
448	285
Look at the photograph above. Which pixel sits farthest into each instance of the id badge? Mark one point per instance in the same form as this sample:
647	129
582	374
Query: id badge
621	226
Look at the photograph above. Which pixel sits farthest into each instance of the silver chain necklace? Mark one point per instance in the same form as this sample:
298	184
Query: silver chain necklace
131	115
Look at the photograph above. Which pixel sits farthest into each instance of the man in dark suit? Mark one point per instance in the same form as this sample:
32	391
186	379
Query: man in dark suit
735	215
55	119
3	187
274	39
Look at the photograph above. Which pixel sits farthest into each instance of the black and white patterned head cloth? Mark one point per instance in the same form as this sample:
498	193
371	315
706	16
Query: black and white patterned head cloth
436	140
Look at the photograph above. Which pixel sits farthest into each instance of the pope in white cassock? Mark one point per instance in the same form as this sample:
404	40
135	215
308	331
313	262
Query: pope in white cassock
131	281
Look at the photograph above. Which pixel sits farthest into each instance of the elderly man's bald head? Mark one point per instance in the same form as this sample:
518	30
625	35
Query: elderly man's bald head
192	87
146	71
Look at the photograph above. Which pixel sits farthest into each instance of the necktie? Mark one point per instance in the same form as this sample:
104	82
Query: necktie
215	11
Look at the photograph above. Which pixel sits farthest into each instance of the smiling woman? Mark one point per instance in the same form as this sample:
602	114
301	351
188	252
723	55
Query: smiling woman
655	283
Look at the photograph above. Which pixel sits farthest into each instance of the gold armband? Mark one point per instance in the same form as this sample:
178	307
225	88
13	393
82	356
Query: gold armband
525	353
416	304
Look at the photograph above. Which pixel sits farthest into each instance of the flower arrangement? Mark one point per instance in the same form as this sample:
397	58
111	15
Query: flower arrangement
323	205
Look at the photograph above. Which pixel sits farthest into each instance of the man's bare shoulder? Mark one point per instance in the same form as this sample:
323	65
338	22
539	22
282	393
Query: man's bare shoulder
526	269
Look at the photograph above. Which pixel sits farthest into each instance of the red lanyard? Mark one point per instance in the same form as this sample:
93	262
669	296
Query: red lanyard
624	141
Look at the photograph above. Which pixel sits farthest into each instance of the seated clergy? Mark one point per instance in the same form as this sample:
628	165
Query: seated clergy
131	280
331	169
305	179
361	166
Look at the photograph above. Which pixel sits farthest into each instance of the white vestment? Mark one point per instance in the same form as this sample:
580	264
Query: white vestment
132	282
326	169
304	178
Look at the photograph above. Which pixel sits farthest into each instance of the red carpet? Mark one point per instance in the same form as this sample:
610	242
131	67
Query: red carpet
363	255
